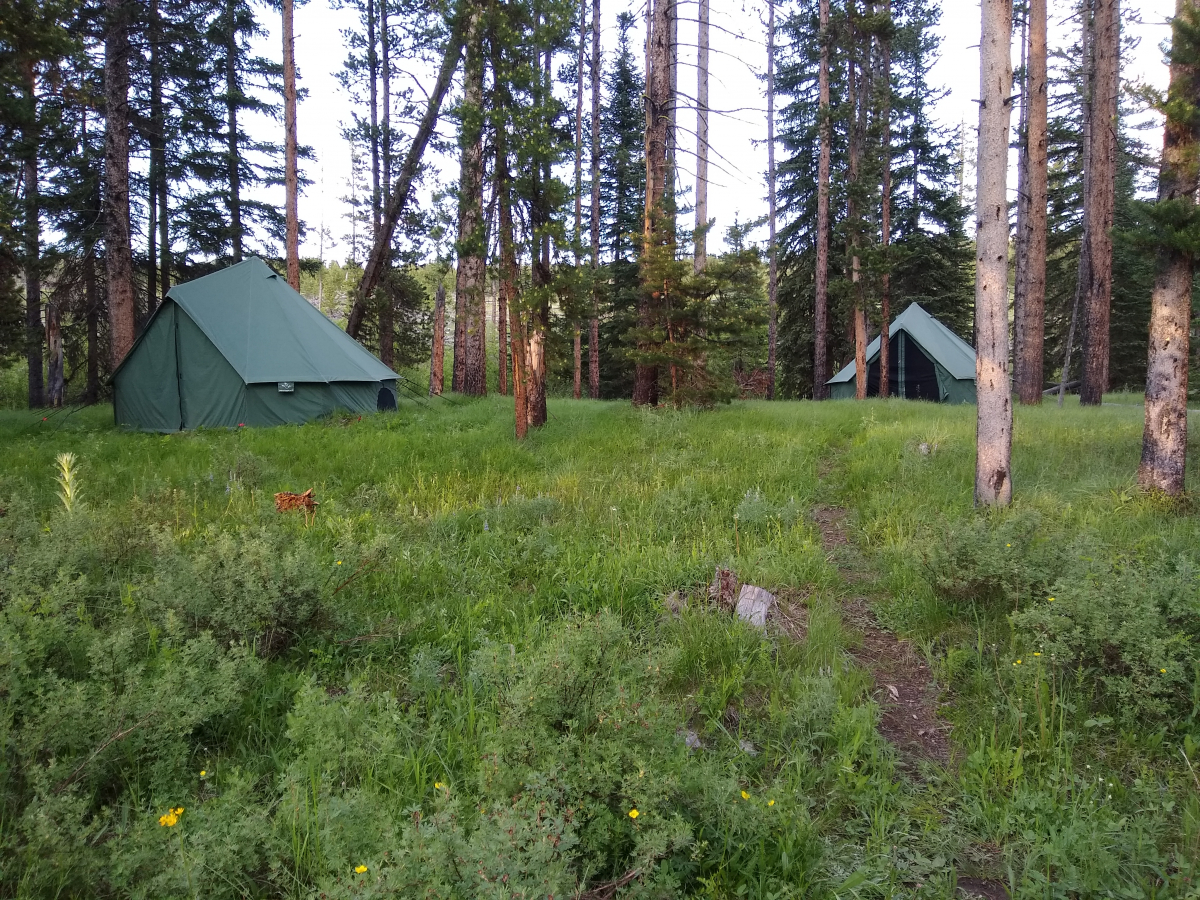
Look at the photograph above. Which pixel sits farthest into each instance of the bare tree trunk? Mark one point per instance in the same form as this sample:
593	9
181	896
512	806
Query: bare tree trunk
234	161
54	343
993	435
385	83
885	212
34	332
92	299
164	226
1031	322
1021	238
470	318
508	291
577	243
594	324
502	341
438	354
702	49
373	107
157	158
658	230
118	254
857	91
1164	439
1084	277
821	301
291	178
398	199
1102	185
773	274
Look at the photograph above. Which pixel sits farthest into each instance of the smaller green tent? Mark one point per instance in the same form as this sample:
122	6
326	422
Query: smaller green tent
240	347
927	361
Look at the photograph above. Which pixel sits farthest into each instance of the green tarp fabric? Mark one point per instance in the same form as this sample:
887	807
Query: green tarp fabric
240	347
952	357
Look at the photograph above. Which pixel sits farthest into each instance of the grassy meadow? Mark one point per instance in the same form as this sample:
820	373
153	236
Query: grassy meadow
475	673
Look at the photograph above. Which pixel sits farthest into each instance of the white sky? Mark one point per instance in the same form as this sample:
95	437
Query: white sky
738	157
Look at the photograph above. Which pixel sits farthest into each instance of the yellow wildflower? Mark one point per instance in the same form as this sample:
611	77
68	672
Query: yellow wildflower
203	773
171	818
1051	599
438	785
1017	663
1162	671
770	803
360	869
745	796
633	814
339	562
1036	653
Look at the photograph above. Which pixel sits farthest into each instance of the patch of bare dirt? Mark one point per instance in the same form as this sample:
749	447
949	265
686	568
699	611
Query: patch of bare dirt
904	688
981	887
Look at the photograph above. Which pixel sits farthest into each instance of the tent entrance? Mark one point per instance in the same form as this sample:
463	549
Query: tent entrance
912	375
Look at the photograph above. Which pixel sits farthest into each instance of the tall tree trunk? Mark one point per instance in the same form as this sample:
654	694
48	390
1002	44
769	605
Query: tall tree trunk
1021	237
373	107
470	375
164	223
577	243
118	254
1164	439
92	298
885	209
993	435
821	300
773	274
702	50
539	325
398	199
594	324
508	292
232	99
673	109
157	127
291	177
857	92
34	332
1031	321
1084	278
1102	184
54	343
658	228
502	378
385	84
438	354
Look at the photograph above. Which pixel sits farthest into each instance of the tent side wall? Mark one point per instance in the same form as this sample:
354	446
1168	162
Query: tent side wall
267	405
146	387
213	395
842	390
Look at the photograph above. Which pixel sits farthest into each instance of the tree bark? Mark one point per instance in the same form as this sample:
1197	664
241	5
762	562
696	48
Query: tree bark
858	93
157	158
508	291
578	361
438	354
118	254
821	299
773	268
577	243
54	343
1102	186
1164	439
398	200
702	52
232	96
594	324
385	84
993	436
92	316
291	177
1031	324
1084	277
470	319
373	110
34	332
885	210
1021	237
658	229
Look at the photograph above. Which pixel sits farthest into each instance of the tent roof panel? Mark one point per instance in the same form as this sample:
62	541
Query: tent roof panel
954	354
270	333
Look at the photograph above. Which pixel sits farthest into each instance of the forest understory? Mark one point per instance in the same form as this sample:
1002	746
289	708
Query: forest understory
494	669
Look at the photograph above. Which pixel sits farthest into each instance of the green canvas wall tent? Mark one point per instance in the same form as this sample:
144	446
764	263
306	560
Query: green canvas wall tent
927	361
240	347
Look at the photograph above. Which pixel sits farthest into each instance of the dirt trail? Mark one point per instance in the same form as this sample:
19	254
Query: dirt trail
904	688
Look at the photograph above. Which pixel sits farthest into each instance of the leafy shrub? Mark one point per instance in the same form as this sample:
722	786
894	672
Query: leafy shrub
1132	626
1001	562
